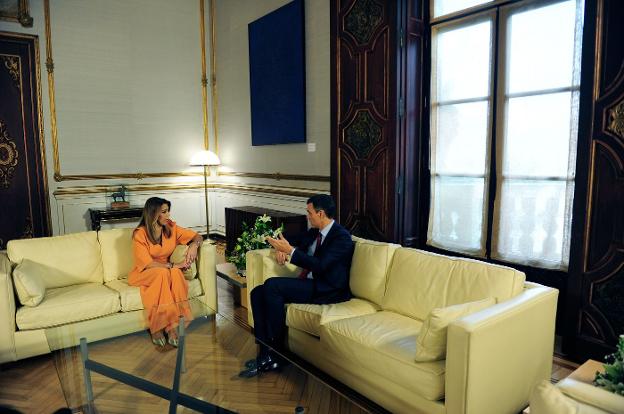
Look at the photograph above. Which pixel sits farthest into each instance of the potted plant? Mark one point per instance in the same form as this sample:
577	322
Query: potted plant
613	377
252	238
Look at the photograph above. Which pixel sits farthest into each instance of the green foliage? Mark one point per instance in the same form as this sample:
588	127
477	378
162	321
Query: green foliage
613	377
252	239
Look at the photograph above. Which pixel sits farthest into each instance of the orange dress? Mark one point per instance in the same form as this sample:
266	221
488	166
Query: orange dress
164	292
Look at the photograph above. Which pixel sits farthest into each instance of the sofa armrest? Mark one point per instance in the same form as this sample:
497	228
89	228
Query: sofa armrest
207	274
7	311
261	265
494	357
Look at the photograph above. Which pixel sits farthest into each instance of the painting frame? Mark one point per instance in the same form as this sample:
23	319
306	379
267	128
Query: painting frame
16	11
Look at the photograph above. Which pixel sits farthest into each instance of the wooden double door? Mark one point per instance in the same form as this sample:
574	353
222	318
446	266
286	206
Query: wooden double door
377	79
24	210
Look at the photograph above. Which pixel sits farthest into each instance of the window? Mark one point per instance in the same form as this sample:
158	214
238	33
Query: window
504	117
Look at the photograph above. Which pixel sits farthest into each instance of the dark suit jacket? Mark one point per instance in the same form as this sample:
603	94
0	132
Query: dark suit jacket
330	266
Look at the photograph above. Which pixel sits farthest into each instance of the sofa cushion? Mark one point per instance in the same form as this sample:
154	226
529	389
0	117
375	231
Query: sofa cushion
420	281
431	340
69	260
546	398
592	396
29	283
116	246
309	317
131	295
178	255
385	342
369	268
69	304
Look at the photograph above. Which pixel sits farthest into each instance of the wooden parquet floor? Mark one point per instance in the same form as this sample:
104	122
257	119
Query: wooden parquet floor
213	359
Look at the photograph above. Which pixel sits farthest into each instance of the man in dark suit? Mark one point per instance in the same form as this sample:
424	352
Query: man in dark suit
324	253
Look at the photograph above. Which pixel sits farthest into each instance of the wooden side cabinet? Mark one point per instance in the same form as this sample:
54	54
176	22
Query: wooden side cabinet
236	216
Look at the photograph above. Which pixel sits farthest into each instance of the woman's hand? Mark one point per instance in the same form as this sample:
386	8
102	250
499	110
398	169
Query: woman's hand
191	254
182	266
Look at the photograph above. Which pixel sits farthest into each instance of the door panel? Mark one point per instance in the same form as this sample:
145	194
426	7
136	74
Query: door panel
24	209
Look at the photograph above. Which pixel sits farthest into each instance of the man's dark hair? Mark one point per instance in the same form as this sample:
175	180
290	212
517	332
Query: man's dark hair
323	202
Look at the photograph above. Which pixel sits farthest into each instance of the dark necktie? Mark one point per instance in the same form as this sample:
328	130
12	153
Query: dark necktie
319	238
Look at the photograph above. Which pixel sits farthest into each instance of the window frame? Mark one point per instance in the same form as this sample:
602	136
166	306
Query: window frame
501	10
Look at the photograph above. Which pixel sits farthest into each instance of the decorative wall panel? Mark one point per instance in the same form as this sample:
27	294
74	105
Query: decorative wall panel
597	283
23	187
363	111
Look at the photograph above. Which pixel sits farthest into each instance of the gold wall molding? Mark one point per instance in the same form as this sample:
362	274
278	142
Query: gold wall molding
277	176
279	190
58	176
213	74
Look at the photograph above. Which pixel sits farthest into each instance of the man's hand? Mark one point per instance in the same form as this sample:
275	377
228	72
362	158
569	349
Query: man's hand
281	257
281	244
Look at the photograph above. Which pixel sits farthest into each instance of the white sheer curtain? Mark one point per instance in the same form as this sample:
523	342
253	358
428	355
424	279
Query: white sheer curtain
537	142
460	132
537	99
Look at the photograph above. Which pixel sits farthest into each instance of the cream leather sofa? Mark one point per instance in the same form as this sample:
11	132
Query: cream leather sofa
82	278
490	362
571	396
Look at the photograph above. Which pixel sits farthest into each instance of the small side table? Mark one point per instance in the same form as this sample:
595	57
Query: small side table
227	271
105	214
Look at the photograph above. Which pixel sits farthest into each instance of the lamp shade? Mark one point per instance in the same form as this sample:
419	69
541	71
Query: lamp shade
205	157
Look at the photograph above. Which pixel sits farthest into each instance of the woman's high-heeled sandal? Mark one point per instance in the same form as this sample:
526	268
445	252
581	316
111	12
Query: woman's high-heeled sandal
159	341
173	341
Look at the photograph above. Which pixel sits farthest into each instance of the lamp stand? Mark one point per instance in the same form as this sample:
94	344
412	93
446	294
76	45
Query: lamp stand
206	199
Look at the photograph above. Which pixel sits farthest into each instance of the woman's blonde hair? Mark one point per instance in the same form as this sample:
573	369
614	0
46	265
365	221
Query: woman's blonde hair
149	218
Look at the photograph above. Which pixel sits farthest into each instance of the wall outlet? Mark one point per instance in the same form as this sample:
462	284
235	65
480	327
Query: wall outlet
312	147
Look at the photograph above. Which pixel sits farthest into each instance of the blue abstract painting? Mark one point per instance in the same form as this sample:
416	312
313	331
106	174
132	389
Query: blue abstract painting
277	76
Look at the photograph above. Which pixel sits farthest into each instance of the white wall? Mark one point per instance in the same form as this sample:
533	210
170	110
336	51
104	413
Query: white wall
232	53
128	100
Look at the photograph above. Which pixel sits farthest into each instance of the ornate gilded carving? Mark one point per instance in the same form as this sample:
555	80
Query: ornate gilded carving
616	120
363	134
362	20
28	230
8	157
12	64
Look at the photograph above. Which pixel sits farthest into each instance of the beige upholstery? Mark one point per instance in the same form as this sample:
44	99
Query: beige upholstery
88	301
372	348
367	278
384	342
68	260
454	280
310	317
77	303
570	396
28	282
431	342
114	243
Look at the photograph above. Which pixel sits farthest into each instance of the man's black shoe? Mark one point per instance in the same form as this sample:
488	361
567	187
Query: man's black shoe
261	359
267	364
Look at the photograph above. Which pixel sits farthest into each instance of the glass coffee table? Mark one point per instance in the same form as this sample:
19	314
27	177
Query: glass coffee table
129	374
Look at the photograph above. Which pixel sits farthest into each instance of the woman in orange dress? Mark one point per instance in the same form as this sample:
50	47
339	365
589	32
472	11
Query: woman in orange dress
164	290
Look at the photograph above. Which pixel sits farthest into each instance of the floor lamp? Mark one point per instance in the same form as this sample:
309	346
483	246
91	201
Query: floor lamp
205	159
